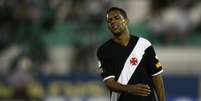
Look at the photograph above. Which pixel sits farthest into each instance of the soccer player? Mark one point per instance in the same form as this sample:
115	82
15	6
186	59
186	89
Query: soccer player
128	64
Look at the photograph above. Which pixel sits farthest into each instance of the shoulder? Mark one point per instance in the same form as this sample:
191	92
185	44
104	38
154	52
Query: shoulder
145	41
104	46
142	40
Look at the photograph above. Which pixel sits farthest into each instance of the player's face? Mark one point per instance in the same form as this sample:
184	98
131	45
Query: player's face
116	22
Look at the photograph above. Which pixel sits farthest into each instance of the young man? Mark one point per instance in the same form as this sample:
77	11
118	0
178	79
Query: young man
128	64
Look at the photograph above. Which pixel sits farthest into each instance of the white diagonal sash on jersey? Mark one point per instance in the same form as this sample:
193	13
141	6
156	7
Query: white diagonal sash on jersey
128	68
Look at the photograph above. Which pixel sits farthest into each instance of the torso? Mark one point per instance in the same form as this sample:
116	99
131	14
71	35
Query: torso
117	55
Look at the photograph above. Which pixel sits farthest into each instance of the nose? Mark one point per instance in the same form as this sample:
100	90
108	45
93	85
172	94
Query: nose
112	22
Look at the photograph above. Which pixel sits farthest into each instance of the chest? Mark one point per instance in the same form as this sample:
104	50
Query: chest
120	54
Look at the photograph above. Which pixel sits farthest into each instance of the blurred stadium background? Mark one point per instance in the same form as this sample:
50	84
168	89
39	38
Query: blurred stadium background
48	47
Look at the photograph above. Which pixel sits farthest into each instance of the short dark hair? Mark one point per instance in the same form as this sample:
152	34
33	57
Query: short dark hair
122	12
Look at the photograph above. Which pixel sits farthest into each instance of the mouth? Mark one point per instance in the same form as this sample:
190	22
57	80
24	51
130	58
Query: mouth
114	26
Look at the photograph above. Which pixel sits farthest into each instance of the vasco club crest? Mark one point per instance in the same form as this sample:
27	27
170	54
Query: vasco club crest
133	61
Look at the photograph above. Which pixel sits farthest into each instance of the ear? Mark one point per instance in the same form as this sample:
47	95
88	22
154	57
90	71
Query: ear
126	21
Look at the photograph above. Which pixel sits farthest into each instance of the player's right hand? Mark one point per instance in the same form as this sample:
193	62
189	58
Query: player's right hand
139	89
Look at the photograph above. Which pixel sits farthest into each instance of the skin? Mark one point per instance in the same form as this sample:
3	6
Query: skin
118	25
159	87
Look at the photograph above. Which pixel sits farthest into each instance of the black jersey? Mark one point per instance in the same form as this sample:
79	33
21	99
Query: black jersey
131	64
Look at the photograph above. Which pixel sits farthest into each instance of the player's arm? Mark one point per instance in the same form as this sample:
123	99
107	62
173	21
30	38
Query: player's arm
155	70
137	89
159	87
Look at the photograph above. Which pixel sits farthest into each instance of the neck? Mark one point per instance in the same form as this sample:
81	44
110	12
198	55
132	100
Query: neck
122	39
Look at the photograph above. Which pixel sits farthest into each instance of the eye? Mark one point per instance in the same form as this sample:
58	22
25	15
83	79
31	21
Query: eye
117	17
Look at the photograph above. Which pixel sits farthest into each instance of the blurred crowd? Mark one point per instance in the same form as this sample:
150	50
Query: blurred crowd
175	21
28	29
24	23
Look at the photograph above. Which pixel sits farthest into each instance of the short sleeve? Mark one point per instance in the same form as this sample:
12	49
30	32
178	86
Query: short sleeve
153	64
104	66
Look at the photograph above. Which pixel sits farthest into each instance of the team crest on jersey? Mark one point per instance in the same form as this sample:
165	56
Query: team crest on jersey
133	60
